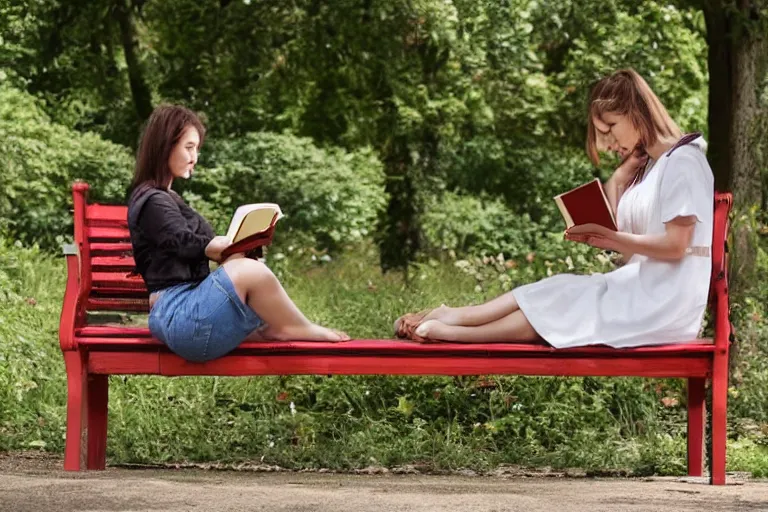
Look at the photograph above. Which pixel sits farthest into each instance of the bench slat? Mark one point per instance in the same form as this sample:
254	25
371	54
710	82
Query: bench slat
108	233
116	214
112	248
115	362
126	336
134	305
113	262
117	280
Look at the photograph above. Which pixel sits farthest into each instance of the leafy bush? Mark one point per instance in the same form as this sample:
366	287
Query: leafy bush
40	162
526	177
471	225
330	197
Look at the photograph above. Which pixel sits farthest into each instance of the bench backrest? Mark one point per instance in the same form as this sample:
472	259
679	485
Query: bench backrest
105	263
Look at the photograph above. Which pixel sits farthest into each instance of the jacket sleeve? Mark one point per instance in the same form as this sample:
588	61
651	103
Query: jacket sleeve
161	222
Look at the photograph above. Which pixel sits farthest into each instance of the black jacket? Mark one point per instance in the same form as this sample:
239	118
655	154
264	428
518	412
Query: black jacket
168	238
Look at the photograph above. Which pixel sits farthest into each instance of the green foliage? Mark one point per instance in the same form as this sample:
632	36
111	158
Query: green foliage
40	162
330	197
470	225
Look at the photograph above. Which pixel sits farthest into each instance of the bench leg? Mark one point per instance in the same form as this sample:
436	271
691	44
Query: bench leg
719	418
77	407
696	422
98	398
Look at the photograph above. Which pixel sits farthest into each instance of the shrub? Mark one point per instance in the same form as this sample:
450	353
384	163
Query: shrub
40	162
330	197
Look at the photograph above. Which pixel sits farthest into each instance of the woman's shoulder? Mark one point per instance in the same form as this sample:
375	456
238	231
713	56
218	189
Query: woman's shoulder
690	159
143	196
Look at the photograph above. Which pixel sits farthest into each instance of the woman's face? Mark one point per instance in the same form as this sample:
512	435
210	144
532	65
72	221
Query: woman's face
615	132
184	154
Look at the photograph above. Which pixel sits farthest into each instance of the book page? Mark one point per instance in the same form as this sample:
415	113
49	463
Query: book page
252	218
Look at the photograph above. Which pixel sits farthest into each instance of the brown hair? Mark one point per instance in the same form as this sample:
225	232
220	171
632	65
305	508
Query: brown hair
625	92
162	131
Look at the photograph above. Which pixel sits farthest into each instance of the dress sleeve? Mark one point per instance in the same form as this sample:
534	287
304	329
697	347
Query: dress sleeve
162	222
684	187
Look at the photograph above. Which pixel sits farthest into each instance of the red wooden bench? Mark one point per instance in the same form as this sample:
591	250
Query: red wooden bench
99	265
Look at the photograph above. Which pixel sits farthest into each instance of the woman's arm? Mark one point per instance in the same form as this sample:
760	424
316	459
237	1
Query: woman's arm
162	222
670	246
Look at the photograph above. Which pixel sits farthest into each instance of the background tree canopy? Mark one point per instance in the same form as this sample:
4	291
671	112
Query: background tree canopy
483	99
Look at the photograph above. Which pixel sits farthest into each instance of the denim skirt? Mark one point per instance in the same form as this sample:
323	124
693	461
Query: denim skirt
202	321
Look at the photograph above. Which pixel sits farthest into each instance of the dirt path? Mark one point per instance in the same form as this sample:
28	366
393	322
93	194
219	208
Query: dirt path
39	485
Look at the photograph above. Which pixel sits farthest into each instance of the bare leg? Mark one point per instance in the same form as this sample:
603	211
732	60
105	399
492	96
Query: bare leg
513	328
494	309
258	287
468	316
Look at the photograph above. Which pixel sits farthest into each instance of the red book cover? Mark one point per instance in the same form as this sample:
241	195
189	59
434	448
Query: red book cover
586	204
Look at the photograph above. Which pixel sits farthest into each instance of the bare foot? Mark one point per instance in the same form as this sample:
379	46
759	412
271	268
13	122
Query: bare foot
405	325
431	331
311	332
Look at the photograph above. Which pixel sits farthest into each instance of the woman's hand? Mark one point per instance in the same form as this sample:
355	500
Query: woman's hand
596	236
215	247
630	166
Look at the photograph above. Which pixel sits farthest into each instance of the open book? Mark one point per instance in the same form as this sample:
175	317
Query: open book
252	226
586	204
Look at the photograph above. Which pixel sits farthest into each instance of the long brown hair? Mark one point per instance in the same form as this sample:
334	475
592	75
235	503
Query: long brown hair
625	92
162	131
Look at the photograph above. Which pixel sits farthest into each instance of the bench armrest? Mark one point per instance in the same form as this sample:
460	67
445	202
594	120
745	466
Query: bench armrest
71	310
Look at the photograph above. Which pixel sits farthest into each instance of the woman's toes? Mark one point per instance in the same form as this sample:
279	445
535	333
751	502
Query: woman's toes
341	335
426	329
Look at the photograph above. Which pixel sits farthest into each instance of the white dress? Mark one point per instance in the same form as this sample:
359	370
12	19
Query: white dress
646	301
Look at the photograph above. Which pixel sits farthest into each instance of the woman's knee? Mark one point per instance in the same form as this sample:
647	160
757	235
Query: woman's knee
246	273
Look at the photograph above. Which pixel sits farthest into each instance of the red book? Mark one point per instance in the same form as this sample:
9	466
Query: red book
252	227
586	204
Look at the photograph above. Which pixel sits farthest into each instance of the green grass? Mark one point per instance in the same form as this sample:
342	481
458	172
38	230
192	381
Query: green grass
597	424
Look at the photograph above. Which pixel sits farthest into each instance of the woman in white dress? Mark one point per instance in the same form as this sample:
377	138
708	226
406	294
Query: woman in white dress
663	198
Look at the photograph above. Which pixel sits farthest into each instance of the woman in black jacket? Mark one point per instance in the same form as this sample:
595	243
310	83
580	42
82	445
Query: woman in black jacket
199	314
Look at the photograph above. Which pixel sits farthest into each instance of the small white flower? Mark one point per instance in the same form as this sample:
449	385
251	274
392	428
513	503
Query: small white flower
271	444
367	393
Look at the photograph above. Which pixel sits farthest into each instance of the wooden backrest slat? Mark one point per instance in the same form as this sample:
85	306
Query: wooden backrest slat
112	263
107	234
101	214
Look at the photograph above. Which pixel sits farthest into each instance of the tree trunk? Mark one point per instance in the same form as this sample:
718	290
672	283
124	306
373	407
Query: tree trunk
737	60
142	97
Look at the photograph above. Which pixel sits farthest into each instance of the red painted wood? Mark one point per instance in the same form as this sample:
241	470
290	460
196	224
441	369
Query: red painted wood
108	233
113	262
696	421
165	363
137	305
112	331
242	365
98	397
107	213
68	320
127	336
111	247
115	363
77	406
719	418
117	280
